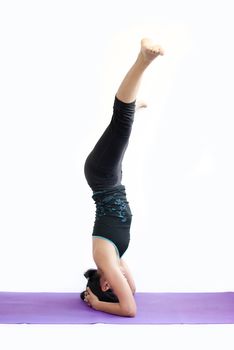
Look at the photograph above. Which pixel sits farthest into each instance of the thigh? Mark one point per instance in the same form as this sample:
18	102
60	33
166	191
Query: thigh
109	150
105	160
103	166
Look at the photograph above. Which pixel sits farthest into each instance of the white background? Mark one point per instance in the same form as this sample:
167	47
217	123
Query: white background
61	63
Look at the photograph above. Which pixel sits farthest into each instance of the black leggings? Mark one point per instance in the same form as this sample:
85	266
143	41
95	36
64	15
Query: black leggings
103	166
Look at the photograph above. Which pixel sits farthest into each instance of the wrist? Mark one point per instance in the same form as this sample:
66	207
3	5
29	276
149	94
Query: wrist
96	305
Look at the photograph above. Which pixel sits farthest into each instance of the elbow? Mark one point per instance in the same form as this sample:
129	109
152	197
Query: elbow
130	312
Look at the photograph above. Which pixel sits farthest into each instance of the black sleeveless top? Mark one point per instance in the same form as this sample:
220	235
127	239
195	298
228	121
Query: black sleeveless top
113	217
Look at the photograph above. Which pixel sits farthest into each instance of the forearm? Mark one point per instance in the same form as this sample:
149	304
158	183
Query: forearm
127	274
114	308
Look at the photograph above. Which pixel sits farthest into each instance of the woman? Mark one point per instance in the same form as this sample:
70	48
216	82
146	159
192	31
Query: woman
110	287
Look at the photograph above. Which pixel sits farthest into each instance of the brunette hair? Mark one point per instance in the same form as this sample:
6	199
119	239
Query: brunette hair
93	283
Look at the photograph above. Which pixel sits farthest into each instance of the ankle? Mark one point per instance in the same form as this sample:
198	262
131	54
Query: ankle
142	61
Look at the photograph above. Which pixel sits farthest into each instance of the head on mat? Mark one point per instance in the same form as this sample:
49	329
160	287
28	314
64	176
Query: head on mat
99	286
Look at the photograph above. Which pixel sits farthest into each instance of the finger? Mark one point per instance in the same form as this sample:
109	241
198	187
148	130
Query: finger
88	298
87	301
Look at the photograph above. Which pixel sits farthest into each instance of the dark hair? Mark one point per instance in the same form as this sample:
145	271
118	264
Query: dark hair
93	283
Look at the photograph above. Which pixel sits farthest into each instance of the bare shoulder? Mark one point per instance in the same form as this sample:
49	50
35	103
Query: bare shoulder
104	253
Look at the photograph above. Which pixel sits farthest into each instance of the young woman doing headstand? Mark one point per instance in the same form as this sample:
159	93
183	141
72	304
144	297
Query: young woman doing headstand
110	287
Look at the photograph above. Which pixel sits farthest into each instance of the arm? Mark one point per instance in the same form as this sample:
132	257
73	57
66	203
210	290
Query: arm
105	258
126	272
111	308
120	286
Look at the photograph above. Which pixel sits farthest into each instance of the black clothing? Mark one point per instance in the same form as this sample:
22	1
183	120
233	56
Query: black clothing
103	172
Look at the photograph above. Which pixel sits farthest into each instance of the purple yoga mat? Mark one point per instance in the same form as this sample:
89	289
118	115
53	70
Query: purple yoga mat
153	308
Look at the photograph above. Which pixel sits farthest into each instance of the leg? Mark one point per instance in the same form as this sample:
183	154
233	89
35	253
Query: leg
103	167
129	87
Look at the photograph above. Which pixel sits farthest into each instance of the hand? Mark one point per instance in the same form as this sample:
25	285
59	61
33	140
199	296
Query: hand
90	298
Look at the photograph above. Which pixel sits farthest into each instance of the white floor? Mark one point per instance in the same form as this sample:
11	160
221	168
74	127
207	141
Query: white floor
69	337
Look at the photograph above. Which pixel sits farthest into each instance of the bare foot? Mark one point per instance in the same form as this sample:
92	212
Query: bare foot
140	104
149	50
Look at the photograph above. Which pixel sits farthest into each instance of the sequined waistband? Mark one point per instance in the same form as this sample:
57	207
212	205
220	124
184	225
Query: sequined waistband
112	202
